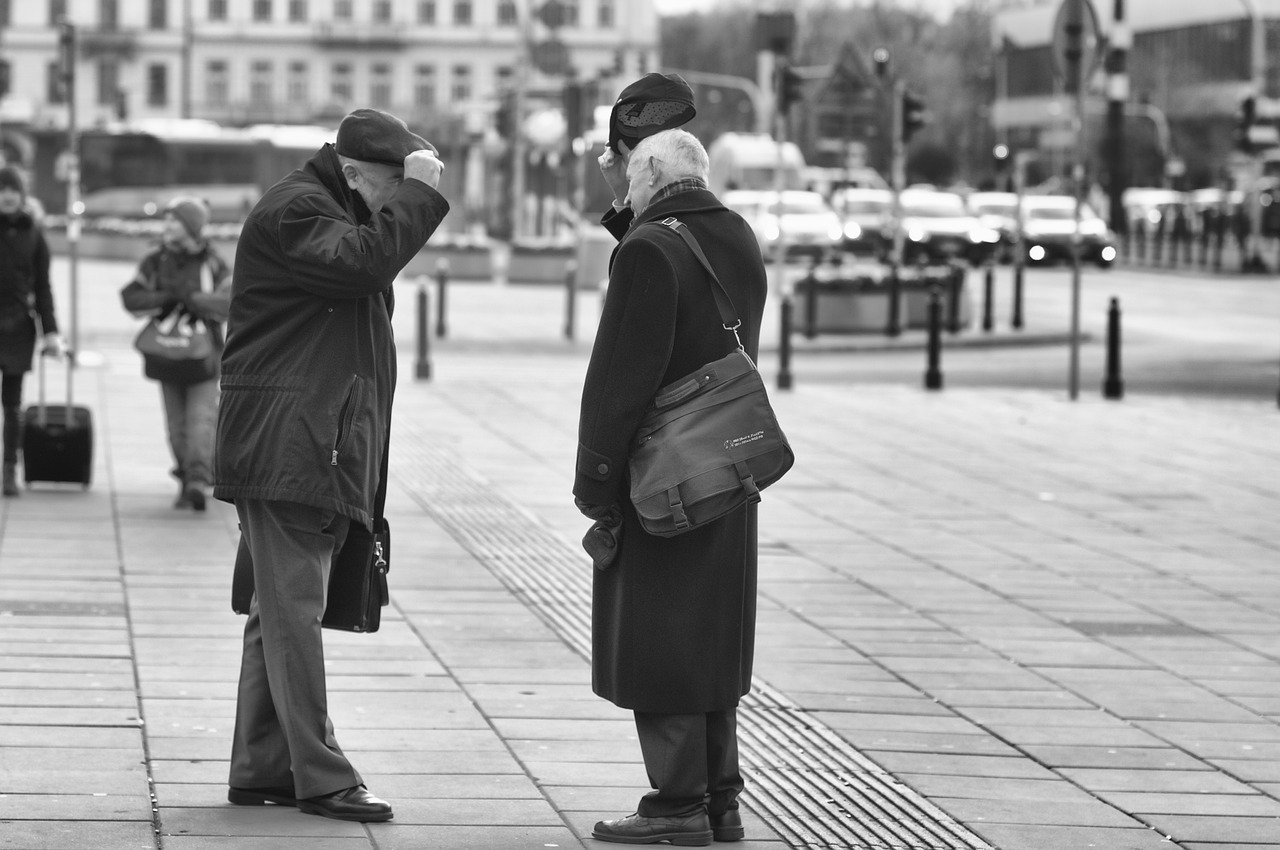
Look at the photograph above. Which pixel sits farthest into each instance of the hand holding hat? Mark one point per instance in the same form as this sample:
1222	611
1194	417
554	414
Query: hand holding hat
424	166
373	136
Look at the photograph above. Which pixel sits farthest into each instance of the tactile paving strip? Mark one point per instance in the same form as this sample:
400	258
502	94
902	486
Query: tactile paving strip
811	786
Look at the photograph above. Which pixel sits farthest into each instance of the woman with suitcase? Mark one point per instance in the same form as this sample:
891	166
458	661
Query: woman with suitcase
25	294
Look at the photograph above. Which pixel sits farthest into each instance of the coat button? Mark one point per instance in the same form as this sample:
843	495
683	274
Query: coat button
603	469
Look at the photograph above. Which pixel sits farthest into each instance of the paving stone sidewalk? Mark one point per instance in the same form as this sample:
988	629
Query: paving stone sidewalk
1000	619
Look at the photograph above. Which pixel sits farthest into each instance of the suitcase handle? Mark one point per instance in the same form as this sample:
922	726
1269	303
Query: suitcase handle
41	416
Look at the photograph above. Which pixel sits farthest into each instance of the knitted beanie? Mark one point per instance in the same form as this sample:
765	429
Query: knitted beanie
192	212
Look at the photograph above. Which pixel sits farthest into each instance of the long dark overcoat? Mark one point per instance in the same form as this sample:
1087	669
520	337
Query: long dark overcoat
24	290
673	619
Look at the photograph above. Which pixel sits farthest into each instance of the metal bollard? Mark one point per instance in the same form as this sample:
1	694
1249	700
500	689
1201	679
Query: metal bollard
933	373
785	381
1016	323
422	369
988	296
894	326
570	297
955	284
442	280
810	284
1112	385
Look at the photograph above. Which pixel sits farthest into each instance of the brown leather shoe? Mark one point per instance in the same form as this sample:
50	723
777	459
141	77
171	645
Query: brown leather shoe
727	826
354	803
260	796
689	831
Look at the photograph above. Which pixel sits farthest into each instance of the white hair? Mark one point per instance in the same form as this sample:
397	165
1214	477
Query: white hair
679	151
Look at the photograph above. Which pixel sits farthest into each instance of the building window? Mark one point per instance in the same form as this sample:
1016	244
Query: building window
424	86
570	12
426	11
340	85
157	85
342	10
606	15
57	11
462	13
215	82
158	19
382	11
298	11
298	88
217	10
503	78
108	81
6	13
260	82
262	10
461	90
507	13
109	14
380	86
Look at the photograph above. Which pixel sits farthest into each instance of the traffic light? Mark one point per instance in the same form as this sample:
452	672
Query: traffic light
4	77
1245	120
573	116
914	116
789	89
504	117
1000	157
880	58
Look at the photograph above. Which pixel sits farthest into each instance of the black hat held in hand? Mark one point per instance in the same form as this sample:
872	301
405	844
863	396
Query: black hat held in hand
372	136
650	105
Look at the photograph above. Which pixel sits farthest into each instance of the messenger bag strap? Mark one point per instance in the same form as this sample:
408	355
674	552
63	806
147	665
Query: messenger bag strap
728	314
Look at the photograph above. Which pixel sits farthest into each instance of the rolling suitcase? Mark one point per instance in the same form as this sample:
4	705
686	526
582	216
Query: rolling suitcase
57	439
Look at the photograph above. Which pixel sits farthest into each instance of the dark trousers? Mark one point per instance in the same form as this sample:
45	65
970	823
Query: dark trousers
692	761
283	736
11	405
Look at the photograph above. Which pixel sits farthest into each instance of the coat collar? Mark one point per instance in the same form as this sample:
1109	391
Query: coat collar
693	201
325	167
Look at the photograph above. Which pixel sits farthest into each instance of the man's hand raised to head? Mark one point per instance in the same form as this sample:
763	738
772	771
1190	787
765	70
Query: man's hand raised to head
424	166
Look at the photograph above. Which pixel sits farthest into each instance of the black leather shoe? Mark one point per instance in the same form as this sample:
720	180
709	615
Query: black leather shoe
261	796
354	803
727	826
689	831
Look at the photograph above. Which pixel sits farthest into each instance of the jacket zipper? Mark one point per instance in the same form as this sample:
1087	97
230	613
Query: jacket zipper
344	420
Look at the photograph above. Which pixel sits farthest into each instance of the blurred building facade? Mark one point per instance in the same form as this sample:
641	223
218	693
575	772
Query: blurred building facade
437	63
1191	64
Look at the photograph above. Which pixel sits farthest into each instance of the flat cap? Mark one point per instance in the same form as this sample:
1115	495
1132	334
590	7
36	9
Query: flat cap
651	104
373	136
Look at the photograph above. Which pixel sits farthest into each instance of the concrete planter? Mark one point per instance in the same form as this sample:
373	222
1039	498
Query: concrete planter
463	263
539	265
842	306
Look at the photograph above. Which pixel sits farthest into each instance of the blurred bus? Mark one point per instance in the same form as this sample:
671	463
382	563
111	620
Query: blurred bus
134	172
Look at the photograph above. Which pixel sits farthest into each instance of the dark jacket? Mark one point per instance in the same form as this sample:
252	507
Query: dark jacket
24	290
673	619
169	279
309	367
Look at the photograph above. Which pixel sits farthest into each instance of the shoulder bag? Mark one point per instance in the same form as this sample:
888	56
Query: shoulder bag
710	442
177	349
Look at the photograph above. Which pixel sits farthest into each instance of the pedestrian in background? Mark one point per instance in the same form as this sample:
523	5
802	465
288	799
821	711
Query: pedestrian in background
25	295
307	379
185	279
673	618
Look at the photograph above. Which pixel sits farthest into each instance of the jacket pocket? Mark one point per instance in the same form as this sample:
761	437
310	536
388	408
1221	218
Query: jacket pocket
346	418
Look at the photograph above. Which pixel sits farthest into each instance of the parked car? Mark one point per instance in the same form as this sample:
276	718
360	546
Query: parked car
864	212
938	227
998	211
1146	209
1048	221
810	225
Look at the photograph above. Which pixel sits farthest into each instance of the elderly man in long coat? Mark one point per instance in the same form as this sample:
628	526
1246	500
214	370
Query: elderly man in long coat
673	618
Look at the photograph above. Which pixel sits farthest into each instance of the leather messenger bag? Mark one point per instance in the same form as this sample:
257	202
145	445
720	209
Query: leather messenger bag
710	442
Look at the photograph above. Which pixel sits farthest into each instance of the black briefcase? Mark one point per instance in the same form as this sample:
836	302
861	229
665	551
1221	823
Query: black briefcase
357	581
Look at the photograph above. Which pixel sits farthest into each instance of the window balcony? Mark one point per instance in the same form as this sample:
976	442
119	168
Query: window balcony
107	42
345	35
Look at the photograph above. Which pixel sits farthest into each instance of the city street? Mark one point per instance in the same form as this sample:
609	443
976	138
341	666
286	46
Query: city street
989	618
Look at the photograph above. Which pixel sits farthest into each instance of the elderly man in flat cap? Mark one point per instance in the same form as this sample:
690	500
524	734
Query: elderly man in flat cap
307	379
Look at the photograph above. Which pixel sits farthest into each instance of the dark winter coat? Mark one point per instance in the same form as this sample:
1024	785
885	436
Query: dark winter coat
673	619
309	367
24	291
